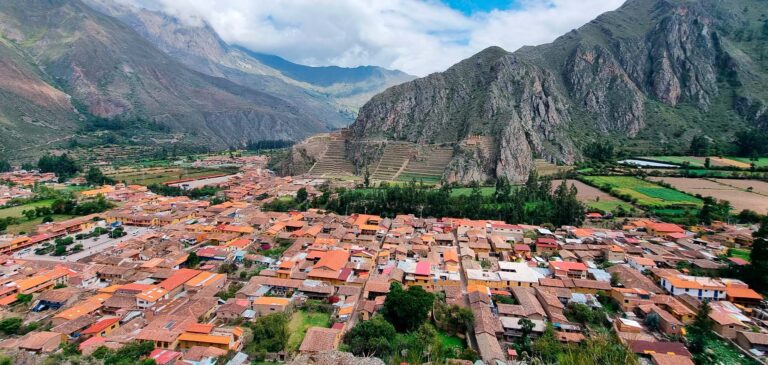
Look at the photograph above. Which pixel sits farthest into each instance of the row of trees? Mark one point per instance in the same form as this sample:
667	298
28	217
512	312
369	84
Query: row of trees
534	203
196	193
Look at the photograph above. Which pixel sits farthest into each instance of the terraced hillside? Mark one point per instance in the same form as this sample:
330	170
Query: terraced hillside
333	162
428	166
394	159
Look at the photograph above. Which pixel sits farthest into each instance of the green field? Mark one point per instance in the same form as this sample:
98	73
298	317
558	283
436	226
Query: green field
450	341
740	253
644	193
28	226
16	211
300	322
162	177
761	161
484	191
609	206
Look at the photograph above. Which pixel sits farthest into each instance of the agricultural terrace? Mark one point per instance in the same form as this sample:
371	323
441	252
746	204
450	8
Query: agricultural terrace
740	198
643	193
593	197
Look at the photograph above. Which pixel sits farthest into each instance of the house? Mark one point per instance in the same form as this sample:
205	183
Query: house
640	263
697	286
752	341
102	328
613	253
546	246
41	342
726	324
320	339
513	274
573	270
268	305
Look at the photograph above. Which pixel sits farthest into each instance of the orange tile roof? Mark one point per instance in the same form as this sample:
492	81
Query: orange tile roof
200	328
333	260
100	325
178	278
744	293
87	307
204	338
204	279
271	301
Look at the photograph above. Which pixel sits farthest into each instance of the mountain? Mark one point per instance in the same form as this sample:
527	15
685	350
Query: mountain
69	72
333	93
648	77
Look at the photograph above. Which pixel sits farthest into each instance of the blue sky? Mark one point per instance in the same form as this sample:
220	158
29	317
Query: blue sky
469	7
415	36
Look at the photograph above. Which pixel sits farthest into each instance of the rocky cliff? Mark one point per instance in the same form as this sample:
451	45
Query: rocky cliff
651	74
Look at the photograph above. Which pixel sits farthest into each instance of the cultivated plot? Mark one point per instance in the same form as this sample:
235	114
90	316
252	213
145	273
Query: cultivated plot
740	199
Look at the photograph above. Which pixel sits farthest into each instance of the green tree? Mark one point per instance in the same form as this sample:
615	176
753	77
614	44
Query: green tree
700	146
5	166
371	338
193	260
96	177
407	309
10	325
24	298
301	195
615	279
758	256
701	328
63	166
270	333
130	353
652	320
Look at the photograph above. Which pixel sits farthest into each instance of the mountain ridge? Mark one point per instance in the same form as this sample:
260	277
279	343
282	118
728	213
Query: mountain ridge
646	75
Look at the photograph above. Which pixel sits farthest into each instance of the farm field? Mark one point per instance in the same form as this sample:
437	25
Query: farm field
761	161
28	226
16	211
161	175
740	199
758	187
739	163
594	197
484	191
645	193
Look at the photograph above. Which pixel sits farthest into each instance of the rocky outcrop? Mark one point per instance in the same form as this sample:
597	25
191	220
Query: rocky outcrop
592	84
334	358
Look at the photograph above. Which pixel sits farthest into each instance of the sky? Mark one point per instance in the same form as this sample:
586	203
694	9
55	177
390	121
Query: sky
415	36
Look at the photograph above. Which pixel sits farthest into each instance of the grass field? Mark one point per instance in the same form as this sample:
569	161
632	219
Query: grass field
593	197
644	193
16	211
740	253
164	175
300	322
733	162
677	160
484	191
28	226
450	341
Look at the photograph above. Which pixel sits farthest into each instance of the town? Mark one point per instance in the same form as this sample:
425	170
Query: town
174	278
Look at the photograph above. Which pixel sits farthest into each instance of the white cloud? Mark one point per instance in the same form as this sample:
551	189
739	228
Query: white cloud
415	36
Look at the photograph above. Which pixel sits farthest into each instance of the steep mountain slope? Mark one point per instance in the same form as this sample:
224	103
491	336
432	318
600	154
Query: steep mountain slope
332	93
649	75
112	72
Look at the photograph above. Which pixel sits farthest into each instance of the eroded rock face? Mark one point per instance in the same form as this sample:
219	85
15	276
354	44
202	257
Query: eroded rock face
534	102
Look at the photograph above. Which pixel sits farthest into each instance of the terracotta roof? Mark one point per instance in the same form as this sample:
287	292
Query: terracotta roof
319	339
178	278
100	325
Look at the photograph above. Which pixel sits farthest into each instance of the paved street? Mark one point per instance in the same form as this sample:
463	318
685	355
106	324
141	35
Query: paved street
90	246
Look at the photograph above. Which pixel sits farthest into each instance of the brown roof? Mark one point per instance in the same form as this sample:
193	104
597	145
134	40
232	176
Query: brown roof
668	359
755	338
38	341
320	339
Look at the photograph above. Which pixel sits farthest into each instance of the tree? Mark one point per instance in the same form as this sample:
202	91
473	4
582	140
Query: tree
301	195
371	338
96	177
652	320
47	219
758	256
23	298
11	325
63	166
701	328
270	333
700	146
615	279
5	166
193	260
29	214
407	309
130	353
